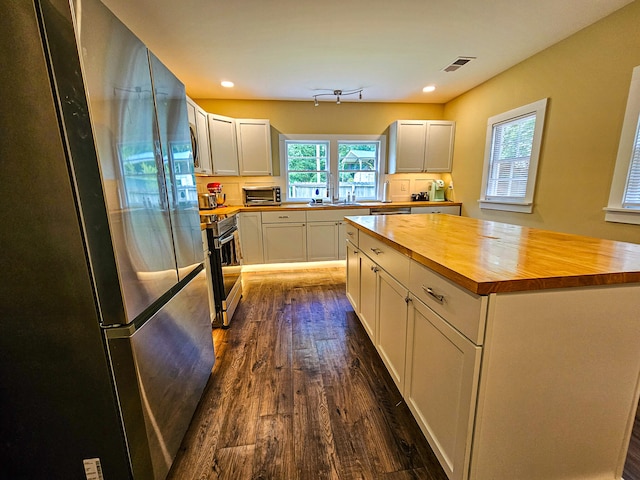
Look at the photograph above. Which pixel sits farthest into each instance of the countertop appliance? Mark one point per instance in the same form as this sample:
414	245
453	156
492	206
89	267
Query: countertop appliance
437	191
207	201
257	196
225	281
106	340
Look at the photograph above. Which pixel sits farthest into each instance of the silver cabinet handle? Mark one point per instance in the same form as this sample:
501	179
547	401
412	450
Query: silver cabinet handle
438	298
374	269
377	251
283	216
350	234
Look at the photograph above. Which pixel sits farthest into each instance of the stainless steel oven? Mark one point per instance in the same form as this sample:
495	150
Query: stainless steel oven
224	262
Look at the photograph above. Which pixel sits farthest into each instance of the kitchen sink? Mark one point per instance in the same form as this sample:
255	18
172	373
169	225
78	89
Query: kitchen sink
333	204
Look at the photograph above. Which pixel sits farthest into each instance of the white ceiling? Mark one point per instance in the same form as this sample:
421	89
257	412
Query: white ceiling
294	49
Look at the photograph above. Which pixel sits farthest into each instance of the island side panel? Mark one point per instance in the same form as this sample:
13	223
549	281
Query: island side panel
559	384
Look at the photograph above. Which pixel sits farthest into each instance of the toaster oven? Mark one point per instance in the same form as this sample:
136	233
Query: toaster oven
255	196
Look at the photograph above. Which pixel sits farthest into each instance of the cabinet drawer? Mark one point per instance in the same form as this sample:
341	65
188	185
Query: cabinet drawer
286	216
465	311
450	209
333	215
351	233
391	260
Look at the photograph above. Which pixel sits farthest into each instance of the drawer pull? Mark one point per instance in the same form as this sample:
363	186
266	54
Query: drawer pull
377	251
283	216
350	234
374	269
438	298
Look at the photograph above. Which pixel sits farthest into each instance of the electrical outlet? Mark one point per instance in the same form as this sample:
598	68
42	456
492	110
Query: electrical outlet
403	187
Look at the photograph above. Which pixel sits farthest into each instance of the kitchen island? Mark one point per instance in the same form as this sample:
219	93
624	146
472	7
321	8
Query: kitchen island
516	349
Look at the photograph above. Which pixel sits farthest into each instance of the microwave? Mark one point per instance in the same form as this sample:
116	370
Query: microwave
269	195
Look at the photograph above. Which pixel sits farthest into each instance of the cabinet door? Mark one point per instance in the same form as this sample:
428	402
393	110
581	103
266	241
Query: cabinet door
224	149
407	149
202	131
342	244
439	146
250	226
322	241
284	242
254	146
441	386
353	275
391	338
368	295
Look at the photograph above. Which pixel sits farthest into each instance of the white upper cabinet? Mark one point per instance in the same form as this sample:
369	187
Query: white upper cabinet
254	146
421	146
224	150
198	124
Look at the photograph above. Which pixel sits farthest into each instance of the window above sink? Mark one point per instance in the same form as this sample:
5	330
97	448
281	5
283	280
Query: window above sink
332	168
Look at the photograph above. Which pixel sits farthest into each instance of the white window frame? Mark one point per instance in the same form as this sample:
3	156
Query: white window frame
333	159
615	211
514	204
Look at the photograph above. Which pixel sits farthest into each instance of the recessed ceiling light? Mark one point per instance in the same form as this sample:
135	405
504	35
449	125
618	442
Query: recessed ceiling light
226	84
429	88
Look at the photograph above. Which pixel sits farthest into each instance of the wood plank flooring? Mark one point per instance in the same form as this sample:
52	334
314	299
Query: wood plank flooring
632	465
299	392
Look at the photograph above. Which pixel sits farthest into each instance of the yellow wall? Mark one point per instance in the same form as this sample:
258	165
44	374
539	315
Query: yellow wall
586	78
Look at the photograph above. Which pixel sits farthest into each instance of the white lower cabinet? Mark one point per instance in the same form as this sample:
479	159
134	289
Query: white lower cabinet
391	335
368	295
250	227
353	275
322	241
441	386
284	236
435	366
284	242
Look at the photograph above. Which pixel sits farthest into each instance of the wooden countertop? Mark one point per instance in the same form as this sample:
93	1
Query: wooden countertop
305	206
486	257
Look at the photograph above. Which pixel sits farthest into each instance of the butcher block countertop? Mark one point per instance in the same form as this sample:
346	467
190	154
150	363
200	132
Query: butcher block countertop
332	206
489	257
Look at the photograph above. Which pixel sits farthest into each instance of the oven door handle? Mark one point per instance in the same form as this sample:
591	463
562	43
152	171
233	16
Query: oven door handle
226	239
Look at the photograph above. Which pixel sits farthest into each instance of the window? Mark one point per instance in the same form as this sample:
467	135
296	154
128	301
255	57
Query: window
624	197
511	158
307	169
331	166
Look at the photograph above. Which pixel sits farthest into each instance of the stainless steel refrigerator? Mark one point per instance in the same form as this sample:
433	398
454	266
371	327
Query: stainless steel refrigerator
105	333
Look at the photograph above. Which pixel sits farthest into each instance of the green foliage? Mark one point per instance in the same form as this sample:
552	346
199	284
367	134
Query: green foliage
517	139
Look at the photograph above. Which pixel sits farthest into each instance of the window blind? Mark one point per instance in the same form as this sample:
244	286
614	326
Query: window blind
510	157
632	189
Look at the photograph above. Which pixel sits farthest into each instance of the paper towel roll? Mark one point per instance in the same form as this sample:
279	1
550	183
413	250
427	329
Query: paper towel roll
386	192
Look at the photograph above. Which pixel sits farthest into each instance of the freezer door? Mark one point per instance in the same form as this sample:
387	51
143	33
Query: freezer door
177	159
123	117
161	370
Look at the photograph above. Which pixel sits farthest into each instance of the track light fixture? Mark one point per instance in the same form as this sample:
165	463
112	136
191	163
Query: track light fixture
338	94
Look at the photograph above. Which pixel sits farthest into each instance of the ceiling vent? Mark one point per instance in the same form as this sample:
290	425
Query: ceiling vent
459	62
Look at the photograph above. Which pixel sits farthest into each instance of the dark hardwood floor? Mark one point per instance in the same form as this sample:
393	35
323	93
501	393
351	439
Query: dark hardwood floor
299	392
632	465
